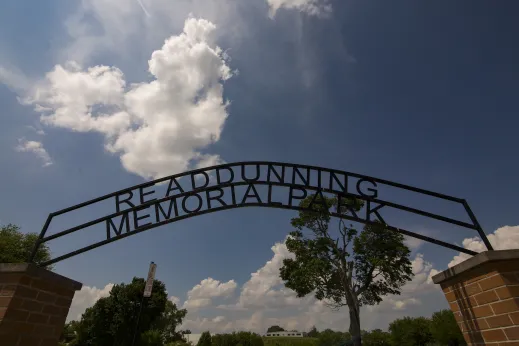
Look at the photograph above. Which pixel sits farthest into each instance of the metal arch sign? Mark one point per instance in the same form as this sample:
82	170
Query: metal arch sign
218	188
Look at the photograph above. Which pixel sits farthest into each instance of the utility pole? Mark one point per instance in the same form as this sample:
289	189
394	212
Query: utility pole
146	294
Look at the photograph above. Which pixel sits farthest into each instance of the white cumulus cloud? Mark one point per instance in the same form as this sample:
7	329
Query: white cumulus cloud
201	295
157	127
174	300
118	27
421	283
265	288
504	238
13	78
85	298
311	7
36	148
413	243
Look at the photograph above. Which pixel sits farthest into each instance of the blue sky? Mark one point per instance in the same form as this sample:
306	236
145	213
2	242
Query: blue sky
418	93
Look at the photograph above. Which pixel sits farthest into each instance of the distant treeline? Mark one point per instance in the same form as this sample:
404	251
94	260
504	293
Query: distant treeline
439	330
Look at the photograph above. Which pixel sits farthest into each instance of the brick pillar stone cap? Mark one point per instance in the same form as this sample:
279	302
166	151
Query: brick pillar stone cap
476	261
33	270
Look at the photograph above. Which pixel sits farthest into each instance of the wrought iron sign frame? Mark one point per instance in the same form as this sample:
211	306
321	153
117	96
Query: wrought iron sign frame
276	177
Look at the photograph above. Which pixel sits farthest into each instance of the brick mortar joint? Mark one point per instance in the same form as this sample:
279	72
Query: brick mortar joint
506	299
491	308
500	315
467	296
490	329
454	282
35	300
461	285
509	327
477	303
478	306
46	324
40	289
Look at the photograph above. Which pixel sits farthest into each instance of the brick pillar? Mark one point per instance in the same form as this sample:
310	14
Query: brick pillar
34	304
483	293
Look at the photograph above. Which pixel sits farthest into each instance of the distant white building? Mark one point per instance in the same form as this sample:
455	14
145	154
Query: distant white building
286	334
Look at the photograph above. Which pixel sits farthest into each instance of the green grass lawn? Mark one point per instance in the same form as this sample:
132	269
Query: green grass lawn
288	341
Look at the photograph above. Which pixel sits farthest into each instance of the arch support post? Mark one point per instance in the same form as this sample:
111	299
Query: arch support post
483	294
34	304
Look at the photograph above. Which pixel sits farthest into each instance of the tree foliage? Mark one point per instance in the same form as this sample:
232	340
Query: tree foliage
223	340
169	321
376	337
68	335
205	339
17	246
289	341
330	337
313	333
340	265
237	339
273	329
179	343
113	319
444	328
410	331
152	337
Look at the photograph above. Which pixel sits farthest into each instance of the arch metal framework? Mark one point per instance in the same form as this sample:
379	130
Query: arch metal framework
216	188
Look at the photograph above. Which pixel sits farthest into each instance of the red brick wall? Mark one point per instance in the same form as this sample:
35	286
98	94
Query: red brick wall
34	304
485	302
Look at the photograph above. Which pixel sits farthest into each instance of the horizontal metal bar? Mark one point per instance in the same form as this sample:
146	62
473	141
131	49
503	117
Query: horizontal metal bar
234	206
243	183
423	213
239	164
411	234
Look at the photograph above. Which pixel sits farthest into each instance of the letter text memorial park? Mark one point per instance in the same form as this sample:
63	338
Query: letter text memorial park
247	184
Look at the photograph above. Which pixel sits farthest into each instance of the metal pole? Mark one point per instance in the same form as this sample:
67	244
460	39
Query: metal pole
148	287
138	319
478	226
40	237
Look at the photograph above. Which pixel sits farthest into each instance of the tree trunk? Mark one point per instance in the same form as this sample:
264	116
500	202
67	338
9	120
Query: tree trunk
355	326
353	306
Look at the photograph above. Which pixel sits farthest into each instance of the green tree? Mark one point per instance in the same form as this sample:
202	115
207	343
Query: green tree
444	328
273	329
409	331
313	333
168	322
205	339
151	337
330	337
376	337
224	340
248	339
17	246
237	339
323	263
179	343
68	335
113	319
